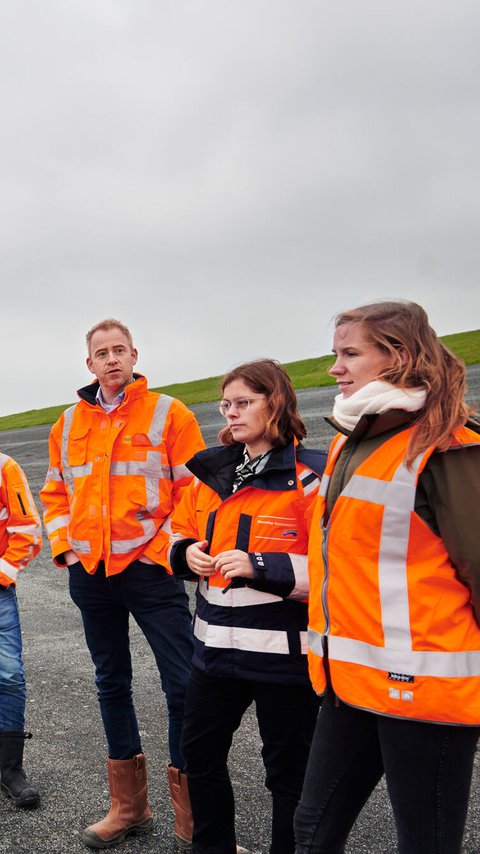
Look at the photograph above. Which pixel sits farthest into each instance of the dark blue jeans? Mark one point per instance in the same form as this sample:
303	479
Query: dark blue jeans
428	771
12	677
159	605
214	708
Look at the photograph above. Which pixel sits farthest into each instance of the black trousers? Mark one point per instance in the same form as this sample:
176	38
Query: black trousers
428	770
214	708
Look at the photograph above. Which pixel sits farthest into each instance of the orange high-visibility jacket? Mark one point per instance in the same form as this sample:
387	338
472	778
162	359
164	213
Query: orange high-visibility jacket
114	478
20	529
251	628
386	601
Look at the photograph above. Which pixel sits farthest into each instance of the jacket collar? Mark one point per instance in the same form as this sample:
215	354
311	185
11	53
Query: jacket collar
216	468
374	424
137	388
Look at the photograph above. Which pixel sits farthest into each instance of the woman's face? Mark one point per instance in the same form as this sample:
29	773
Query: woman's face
358	361
247	422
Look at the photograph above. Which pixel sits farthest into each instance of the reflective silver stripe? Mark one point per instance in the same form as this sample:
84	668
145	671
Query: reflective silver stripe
314	483
315	642
152	466
398	498
157	426
4	458
80	546
67	424
53	474
337	443
151	469
174	538
8	570
335	448
3	513
415	662
304	643
81	471
58	522
166	526
28	530
300	569
122	547
236	597
180	472
324	485
233	637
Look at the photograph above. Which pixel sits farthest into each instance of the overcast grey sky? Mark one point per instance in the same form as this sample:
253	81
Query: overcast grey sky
224	177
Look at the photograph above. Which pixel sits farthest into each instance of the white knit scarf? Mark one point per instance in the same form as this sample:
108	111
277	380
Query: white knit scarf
376	397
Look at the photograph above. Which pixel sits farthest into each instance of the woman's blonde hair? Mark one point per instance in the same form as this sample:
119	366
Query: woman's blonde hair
282	421
401	330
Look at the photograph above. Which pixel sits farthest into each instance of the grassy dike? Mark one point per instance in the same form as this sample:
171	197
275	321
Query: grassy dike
305	374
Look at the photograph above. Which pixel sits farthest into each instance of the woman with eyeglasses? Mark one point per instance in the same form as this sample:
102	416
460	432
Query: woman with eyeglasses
241	532
394	628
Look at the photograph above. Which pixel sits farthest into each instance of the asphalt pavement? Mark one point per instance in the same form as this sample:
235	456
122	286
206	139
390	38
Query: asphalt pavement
67	755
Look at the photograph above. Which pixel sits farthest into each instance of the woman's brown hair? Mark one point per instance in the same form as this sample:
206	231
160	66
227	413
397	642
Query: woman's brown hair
266	376
401	329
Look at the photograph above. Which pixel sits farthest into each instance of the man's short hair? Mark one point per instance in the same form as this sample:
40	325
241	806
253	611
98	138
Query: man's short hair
109	323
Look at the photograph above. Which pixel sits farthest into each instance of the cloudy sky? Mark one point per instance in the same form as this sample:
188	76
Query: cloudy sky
224	177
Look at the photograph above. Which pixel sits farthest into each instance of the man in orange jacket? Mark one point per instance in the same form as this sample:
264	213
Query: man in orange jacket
117	470
20	541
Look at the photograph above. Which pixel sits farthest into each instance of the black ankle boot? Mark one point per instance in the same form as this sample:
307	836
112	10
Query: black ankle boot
13	778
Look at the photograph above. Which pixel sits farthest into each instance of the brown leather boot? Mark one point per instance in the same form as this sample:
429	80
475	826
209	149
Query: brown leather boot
183	827
129	811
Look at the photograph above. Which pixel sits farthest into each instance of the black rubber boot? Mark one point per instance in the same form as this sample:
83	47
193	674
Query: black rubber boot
13	778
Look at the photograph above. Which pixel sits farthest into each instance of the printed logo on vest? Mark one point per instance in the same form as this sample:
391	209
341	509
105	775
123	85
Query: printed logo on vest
401	677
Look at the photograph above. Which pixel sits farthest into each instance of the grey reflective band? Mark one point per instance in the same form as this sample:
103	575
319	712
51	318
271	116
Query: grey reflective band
28	530
122	547
315	642
235	597
324	485
449	665
313	483
234	637
151	469
159	418
67	424
80	546
53	474
300	571
179	472
398	498
58	522
81	471
8	570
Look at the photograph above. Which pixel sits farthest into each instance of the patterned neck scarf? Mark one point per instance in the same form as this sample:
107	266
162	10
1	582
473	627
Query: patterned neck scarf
247	467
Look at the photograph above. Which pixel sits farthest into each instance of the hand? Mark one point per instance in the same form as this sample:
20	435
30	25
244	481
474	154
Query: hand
70	557
199	562
145	559
234	563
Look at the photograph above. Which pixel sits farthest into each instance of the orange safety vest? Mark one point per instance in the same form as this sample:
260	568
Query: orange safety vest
20	528
114	478
385	600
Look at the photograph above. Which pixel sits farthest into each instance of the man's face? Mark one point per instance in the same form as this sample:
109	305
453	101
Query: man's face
111	359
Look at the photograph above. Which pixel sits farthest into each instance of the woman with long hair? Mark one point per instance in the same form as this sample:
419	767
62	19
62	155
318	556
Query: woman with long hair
394	634
241	532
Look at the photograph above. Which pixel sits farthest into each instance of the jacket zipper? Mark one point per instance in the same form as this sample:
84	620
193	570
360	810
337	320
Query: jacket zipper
22	505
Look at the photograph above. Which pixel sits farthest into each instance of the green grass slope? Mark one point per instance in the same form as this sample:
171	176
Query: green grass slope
305	374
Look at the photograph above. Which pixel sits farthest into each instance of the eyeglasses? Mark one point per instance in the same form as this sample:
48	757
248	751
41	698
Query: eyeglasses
241	404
